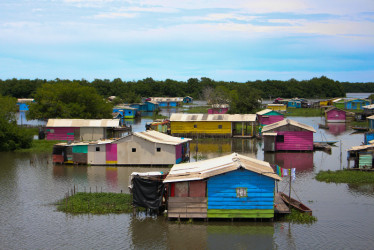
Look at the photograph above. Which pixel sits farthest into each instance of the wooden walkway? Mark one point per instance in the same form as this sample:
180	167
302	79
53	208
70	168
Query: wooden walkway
279	206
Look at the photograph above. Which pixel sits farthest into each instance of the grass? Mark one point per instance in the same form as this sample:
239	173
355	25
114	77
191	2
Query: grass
304	112
298	217
198	110
363	124
96	203
40	146
346	176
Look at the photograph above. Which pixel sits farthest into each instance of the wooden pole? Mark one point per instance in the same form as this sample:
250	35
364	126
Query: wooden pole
289	203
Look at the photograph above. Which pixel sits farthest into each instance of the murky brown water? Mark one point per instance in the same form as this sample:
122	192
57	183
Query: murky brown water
30	183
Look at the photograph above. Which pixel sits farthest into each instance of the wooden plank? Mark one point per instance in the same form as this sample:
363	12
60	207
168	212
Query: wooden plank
197	189
185	215
234	213
189	205
188	199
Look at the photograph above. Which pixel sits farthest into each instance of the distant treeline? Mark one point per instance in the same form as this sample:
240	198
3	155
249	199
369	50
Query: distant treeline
131	91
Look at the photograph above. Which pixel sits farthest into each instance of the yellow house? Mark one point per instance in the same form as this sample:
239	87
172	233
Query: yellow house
220	125
277	107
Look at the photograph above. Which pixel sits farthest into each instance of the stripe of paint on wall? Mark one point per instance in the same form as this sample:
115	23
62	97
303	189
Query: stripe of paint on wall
111	153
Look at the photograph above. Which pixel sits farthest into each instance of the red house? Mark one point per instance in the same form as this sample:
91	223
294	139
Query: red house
335	114
288	135
268	116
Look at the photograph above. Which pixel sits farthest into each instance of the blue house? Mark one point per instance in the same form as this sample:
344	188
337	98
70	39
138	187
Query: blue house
294	104
125	111
147	106
187	99
167	101
232	186
23	104
356	103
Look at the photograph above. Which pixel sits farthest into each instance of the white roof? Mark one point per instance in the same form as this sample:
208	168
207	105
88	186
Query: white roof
220	106
24	100
157	137
362	147
370	117
265	111
285	122
371	106
204	169
167	99
124	107
100	123
213	117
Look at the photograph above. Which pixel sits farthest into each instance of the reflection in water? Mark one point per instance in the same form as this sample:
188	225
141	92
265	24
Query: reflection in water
211	148
160	233
365	189
337	128
302	161
22	120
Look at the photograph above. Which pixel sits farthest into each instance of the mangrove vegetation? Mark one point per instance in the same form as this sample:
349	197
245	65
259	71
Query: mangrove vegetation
346	176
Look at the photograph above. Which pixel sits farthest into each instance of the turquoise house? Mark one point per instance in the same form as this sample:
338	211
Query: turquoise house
125	111
356	103
294	104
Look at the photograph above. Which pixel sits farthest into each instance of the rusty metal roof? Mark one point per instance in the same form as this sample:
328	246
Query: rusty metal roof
271	127
204	169
91	123
213	117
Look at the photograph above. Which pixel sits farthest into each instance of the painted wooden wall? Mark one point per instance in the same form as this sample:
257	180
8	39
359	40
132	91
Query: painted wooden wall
203	127
277	108
270	118
295	140
335	116
224	203
218	111
60	134
356	104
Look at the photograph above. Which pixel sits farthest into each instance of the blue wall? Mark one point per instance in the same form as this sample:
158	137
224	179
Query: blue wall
356	104
368	137
222	191
294	104
23	106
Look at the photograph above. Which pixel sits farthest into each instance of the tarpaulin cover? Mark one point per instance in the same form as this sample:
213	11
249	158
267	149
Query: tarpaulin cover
147	193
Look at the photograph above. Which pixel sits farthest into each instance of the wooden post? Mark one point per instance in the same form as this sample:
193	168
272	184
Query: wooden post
242	128
289	203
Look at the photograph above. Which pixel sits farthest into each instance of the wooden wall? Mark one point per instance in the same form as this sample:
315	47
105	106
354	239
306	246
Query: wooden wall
335	115
61	134
202	127
224	203
187	200
295	140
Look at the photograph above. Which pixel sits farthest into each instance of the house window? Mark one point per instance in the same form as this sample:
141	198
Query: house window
51	131
241	192
97	148
133	149
158	149
220	126
195	125
280	138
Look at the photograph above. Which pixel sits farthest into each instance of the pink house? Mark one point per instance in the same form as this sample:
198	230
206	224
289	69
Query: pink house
268	116
334	114
219	109
288	135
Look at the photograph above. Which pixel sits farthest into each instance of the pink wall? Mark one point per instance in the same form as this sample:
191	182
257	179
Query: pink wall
218	111
61	134
295	140
111	152
337	128
270	119
335	114
178	151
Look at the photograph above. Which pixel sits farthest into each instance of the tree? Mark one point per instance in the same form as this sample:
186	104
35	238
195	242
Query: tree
68	100
12	137
244	100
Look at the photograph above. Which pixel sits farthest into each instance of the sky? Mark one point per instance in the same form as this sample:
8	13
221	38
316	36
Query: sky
238	40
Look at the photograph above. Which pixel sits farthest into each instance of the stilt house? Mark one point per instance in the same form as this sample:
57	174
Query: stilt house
232	186
268	116
335	114
288	135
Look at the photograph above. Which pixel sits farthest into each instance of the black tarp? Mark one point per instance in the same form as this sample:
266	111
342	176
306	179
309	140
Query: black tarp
147	193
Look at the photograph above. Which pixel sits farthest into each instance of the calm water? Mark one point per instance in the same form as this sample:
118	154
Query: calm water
30	184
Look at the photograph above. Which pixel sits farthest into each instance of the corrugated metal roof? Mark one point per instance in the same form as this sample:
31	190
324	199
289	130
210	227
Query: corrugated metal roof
24	100
285	122
157	137
370	117
262	112
332	108
85	143
208	168
270	134
220	106
362	147
167	99
101	123
213	117
125	107
371	106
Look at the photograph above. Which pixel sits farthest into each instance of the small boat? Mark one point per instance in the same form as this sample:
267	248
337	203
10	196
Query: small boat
295	203
324	126
360	129
331	143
